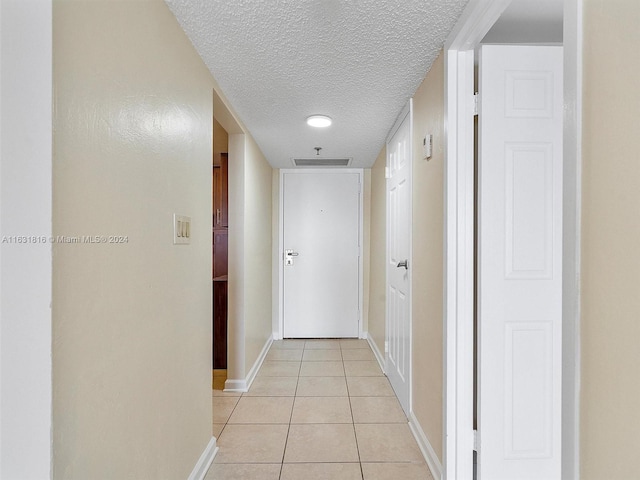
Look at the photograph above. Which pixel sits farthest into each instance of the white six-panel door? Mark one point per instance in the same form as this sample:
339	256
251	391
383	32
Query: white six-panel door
520	262
398	368
321	228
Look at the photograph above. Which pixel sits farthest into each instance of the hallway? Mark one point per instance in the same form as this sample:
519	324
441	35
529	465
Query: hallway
318	409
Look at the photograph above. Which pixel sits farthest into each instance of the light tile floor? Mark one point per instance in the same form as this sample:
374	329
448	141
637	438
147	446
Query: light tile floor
318	409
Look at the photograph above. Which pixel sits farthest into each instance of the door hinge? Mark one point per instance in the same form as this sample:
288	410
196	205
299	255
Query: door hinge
476	103
475	440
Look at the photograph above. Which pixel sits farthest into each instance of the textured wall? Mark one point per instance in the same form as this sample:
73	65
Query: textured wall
428	274
611	229
131	321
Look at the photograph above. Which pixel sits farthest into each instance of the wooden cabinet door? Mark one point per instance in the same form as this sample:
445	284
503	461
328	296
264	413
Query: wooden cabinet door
224	190
221	191
220	324
220	252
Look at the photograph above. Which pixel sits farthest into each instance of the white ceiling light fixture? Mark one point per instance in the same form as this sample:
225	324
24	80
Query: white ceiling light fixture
320	121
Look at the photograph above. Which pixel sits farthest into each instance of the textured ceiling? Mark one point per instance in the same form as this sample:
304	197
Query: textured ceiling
279	61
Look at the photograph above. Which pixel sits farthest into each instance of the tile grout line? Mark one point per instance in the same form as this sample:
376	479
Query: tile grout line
353	420
295	395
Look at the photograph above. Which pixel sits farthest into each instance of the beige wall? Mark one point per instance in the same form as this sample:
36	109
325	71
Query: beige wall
428	275
250	252
132	321
257	251
377	255
428	232
611	229
236	291
220	138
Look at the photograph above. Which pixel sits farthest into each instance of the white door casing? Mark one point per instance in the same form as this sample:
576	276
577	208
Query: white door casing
321	225
520	262
398	192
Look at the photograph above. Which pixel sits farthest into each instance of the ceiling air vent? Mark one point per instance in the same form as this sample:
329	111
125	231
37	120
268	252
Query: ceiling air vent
321	162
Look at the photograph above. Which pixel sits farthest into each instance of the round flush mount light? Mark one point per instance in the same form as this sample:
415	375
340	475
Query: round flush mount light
320	121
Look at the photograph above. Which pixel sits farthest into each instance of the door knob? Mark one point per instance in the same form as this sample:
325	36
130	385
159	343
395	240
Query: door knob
404	264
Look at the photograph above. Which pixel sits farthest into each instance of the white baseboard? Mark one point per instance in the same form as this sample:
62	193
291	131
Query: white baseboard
251	376
231	385
242	385
376	352
205	461
425	447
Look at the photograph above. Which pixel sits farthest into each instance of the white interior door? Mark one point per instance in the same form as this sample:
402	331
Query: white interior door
321	233
398	361
520	262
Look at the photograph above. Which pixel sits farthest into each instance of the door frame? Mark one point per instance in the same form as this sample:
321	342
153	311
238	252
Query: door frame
279	328
407	112
458	436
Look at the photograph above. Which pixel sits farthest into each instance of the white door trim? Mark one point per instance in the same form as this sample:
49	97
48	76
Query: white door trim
26	272
458	440
278	334
476	20
572	198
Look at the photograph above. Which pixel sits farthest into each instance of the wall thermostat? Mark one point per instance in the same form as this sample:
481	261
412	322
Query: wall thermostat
426	145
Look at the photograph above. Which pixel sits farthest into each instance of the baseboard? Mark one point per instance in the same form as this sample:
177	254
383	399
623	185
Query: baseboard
242	385
232	385
205	461
376	352
251	376
425	447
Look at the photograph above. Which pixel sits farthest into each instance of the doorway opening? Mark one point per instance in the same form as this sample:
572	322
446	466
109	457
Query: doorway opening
220	244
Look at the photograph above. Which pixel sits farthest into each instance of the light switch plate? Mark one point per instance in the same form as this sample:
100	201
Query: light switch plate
181	230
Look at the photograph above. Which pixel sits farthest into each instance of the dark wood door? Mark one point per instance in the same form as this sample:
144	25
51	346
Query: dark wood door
220	324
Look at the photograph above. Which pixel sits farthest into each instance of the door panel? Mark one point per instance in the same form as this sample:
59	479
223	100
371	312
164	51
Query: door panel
321	220
220	252
520	262
221	191
398	250
220	325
